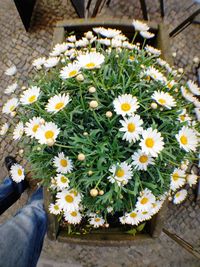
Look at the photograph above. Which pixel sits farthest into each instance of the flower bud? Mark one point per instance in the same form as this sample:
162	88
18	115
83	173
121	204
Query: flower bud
109	114
196	60
80	77
21	152
90	172
50	142
154	105
94	192
81	157
85	133
174	54
93	104
92	89
101	192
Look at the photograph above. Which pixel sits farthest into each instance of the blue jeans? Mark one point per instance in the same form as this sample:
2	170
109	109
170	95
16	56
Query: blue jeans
21	237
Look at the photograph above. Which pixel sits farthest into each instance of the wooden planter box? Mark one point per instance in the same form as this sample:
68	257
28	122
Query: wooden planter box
110	236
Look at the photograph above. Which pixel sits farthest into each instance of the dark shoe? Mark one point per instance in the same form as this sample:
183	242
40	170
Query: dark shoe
9	161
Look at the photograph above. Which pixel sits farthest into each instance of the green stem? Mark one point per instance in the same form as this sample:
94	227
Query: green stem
60	145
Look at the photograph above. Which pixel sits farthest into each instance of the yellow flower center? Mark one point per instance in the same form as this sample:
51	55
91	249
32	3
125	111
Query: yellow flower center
19	172
178	194
32	99
59	105
35	128
63	162
97	220
90	65
125	106
49	134
147	78
175	176
63	179
74	213
131	57
73	73
133	215
184	140
69	198
12	108
120	173
143	159
144	200
131	127
56	207
162	101
170	85
149	142
182	117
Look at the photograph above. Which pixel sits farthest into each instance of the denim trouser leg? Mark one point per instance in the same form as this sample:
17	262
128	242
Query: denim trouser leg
21	237
10	192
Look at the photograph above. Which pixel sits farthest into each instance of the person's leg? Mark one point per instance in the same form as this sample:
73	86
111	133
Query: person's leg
21	238
10	192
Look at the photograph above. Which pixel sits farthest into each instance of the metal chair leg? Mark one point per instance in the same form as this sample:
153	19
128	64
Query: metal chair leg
144	9
96	8
162	10
184	24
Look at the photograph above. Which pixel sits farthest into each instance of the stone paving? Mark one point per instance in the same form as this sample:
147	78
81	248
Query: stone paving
20	48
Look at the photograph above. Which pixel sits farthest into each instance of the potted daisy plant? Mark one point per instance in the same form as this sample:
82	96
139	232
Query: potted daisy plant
109	129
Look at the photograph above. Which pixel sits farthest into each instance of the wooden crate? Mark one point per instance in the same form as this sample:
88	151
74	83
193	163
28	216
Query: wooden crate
108	237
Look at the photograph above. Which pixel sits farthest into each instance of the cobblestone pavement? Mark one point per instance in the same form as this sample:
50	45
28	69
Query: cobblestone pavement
21	48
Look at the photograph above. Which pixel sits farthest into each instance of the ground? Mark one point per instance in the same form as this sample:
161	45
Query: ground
20	48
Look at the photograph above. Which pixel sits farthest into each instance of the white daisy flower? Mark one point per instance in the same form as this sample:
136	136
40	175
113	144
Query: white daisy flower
193	87
109	33
51	62
121	37
187	95
73	217
30	95
59	49
156	206
90	60
132	128
196	103
145	200
10	106
98	29
141	160
125	104
105	41
152	142
146	215
54	209
47	133
109	209
17	173
67	201
53	184
133	218
140	26
71	70
177	179
164	99
197	113
4	128
188	139
71	38
122	219
121	173
82	42
155	74
183	116
11	88
11	71
170	84
152	50
146	34
62	163
164	64
62	181
32	126
18	131
57	102
180	196
39	62
96	222
191	179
